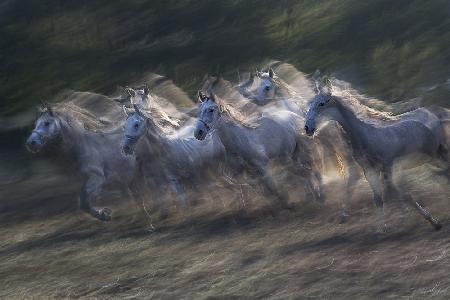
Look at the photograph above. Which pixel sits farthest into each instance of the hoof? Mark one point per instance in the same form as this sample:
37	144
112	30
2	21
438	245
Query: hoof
104	214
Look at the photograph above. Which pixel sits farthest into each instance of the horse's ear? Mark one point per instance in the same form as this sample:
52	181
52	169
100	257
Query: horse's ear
327	84
50	111
146	90
45	107
41	108
271	74
201	96
317	88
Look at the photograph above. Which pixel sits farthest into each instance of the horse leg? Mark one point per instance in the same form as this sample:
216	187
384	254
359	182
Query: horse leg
270	188
426	214
179	192
351	176
91	190
136	187
374	179
408	199
444	155
308	169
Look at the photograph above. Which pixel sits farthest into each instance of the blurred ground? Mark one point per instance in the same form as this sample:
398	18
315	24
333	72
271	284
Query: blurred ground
49	249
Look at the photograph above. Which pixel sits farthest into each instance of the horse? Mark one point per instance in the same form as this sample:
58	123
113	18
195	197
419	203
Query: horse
168	158
269	88
96	153
331	148
378	139
254	144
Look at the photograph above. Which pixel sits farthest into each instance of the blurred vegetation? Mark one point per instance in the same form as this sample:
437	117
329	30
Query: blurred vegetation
392	49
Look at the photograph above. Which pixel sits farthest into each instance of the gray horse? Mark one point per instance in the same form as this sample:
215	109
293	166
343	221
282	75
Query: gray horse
96	155
170	159
378	140
254	144
263	88
331	148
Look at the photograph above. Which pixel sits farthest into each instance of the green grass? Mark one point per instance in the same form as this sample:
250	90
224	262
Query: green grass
391	49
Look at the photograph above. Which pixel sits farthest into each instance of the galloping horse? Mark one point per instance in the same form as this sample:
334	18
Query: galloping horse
379	140
254	144
169	159
97	155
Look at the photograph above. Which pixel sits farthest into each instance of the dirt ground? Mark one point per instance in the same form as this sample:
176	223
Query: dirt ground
217	250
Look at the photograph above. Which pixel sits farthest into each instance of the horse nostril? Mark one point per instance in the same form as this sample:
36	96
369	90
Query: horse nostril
200	132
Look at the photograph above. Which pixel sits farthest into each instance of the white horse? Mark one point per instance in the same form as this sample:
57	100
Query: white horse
254	144
170	159
377	141
96	155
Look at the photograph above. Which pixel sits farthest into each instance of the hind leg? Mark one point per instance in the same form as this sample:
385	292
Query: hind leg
409	200
373	177
426	214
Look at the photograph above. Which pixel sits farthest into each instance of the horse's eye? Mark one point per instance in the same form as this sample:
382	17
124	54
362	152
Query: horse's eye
211	110
267	88
46	124
321	104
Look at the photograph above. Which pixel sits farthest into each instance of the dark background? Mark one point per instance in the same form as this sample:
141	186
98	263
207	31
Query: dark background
394	50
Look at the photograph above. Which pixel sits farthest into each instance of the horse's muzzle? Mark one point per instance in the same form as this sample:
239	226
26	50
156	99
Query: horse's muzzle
34	143
202	130
309	130
200	134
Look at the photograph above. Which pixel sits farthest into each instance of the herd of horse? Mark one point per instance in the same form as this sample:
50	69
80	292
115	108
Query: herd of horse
262	120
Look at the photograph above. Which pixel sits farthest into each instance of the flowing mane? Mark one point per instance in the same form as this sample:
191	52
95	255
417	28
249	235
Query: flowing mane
155	113
84	118
377	106
234	114
357	104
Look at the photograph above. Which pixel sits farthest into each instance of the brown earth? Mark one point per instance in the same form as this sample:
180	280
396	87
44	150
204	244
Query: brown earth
216	250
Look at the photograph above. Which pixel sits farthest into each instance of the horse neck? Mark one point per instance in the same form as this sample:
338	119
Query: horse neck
72	135
228	130
155	136
352	125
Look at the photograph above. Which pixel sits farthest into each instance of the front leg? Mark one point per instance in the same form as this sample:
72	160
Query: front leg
266	180
375	179
91	189
179	192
